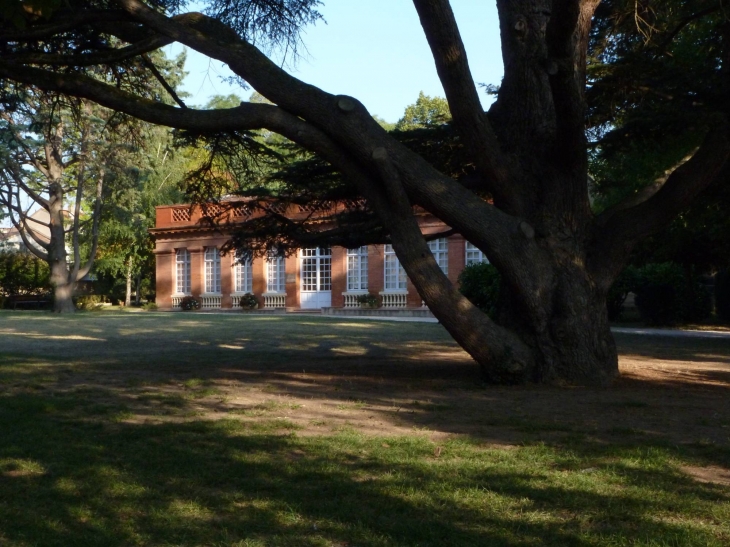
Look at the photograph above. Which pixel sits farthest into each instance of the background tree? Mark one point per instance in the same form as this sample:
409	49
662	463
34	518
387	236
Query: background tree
529	153
125	246
53	156
425	112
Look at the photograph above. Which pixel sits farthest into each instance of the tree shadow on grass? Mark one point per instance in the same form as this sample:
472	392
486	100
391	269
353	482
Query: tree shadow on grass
67	479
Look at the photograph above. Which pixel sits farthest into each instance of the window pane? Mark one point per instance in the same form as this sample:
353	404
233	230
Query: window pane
474	255
275	273
212	270
395	275
244	277
357	269
182	271
440	250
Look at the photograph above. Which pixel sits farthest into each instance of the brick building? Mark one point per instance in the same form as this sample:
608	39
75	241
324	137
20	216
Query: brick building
189	263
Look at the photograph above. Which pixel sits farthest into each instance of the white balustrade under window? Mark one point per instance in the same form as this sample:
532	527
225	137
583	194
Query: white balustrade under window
351	299
177	299
274	300
394	299
210	300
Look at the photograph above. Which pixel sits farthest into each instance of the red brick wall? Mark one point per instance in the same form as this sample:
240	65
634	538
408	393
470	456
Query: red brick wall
376	274
164	277
172	235
339	276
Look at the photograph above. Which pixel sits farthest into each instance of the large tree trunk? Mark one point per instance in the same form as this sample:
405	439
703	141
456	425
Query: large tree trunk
570	334
61	281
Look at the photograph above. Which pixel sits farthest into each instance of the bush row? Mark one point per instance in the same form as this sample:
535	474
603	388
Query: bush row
665	294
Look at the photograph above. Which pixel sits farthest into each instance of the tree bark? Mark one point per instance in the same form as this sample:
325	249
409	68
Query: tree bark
63	286
128	276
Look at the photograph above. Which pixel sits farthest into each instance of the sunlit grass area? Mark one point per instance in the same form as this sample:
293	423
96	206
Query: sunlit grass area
124	429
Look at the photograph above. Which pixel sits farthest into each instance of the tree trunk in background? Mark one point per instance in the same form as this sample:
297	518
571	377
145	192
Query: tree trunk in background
63	287
128	293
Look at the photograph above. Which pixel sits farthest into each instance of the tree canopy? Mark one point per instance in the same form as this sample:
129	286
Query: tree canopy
579	77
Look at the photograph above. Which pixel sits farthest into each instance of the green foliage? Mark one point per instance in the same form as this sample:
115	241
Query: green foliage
426	112
665	295
248	302
23	273
223	101
722	295
481	284
625	283
371	300
89	302
149	306
190	303
655	87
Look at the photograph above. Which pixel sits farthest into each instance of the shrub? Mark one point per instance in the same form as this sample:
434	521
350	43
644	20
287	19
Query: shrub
190	303
149	306
722	295
665	295
89	302
369	299
23	273
248	302
480	283
625	283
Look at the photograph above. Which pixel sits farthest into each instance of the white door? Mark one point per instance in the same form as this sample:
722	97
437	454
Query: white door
316	290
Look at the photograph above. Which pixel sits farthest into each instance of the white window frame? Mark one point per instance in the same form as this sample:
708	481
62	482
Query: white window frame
394	276
440	250
473	255
357	269
275	273
243	277
182	271
212	260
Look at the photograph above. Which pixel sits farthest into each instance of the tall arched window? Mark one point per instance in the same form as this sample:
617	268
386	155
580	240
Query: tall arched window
357	269
275	273
395	275
212	270
440	249
243	276
182	271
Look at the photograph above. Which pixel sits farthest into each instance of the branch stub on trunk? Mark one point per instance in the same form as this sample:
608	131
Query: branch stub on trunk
527	230
346	104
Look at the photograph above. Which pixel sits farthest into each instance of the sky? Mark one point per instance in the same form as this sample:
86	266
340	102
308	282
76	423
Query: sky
373	50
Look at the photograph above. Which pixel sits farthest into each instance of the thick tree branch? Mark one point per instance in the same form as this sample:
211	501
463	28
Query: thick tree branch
447	48
567	38
618	229
15	173
20	223
18	139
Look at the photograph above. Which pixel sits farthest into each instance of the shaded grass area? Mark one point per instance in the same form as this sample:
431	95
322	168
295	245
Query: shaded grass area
130	441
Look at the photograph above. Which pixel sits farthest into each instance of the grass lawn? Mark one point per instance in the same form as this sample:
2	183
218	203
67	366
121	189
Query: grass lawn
120	429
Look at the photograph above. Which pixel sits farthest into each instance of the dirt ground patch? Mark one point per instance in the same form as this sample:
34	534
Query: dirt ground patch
318	375
673	390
